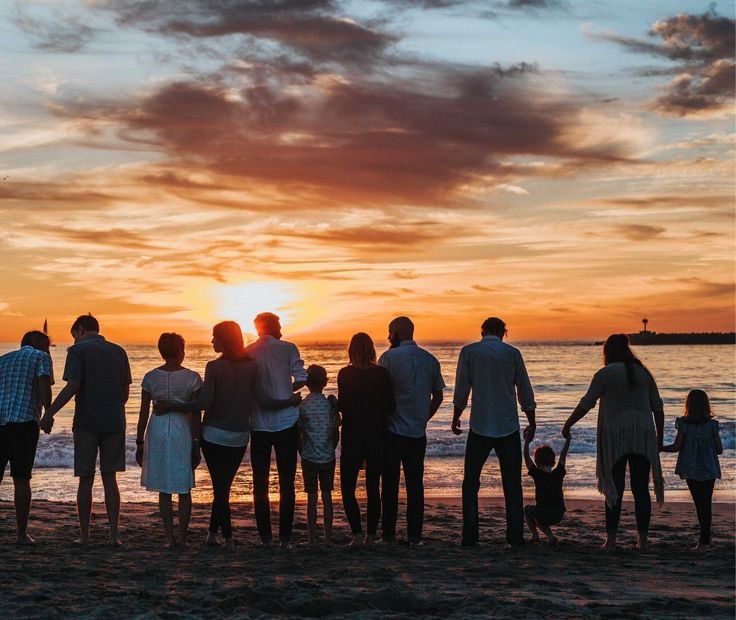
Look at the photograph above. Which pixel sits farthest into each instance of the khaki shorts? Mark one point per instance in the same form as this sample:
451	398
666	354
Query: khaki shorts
324	472
111	447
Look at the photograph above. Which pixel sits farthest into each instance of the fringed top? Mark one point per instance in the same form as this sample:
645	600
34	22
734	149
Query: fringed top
625	423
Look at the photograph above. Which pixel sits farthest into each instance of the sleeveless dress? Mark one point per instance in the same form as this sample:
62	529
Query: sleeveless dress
167	452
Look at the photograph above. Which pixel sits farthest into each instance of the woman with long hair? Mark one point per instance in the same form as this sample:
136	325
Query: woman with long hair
630	427
365	399
230	392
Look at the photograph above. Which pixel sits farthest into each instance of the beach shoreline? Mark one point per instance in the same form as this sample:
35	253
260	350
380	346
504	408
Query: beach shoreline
57	579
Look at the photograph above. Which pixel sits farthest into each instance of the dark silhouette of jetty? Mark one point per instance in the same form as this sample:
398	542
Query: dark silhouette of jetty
647	337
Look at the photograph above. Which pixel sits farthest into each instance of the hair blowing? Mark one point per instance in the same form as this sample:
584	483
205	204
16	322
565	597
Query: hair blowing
617	349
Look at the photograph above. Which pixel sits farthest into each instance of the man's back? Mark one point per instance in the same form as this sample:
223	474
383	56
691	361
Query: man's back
415	375
494	371
19	396
103	372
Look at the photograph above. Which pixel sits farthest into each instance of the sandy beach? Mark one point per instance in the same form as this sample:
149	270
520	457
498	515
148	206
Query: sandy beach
56	579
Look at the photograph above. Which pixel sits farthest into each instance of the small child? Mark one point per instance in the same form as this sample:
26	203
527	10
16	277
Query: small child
318	424
550	506
699	444
168	441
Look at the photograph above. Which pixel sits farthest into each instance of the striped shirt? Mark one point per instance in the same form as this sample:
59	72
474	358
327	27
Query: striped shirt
19	395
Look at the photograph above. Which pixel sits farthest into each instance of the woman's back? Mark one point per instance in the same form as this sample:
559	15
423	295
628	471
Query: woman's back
229	393
365	398
617	394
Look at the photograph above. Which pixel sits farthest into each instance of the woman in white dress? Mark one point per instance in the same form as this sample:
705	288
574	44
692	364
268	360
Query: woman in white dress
168	441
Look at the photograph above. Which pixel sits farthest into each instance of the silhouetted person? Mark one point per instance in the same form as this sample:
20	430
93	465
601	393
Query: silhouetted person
97	374
366	401
627	434
281	373
495	372
26	376
417	387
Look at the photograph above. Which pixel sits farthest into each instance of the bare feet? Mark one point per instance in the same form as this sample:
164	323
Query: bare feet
553	541
700	547
170	544
230	544
115	542
610	545
534	539
25	539
641	543
369	540
357	541
82	541
285	545
211	540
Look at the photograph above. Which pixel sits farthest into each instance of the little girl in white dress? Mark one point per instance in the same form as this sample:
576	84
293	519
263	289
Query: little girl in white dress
169	450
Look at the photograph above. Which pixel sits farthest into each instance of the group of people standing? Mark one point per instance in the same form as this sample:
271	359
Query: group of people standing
251	394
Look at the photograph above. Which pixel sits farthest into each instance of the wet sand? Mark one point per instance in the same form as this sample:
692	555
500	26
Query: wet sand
56	579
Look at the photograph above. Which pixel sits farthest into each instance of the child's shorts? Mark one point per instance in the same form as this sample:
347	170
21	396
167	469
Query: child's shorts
324	472
545	515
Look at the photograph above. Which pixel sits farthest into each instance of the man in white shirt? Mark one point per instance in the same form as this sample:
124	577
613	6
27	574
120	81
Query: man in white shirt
496	374
281	373
417	385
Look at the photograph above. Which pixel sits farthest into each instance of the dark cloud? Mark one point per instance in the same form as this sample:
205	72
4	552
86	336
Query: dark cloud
535	4
670	201
703	48
639	232
63	34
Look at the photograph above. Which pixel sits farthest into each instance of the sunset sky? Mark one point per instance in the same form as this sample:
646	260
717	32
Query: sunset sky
567	165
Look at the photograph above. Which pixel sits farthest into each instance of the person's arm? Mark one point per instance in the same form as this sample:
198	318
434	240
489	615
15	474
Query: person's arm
586	403
62	398
127	379
463	387
44	391
438	385
434	404
675	445
525	396
527	457
657	406
562	459
141	428
195	427
719	443
298	372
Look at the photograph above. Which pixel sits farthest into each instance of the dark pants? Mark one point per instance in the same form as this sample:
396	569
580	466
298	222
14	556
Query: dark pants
702	493
406	452
223	463
285	444
352	455
639	468
508	451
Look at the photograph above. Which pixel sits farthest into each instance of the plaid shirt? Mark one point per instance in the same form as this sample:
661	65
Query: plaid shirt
19	372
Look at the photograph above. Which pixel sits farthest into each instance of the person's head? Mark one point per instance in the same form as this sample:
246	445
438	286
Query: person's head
697	407
361	351
227	338
171	347
544	456
316	378
268	324
84	327
400	329
493	326
37	340
617	349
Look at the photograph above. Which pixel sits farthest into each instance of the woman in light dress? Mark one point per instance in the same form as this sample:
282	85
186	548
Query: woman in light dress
168	441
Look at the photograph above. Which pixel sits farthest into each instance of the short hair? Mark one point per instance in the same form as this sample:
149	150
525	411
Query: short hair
403	324
37	340
86	322
170	345
544	455
316	377
494	325
269	320
361	351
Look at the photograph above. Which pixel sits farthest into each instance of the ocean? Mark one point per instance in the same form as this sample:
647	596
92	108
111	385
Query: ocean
560	373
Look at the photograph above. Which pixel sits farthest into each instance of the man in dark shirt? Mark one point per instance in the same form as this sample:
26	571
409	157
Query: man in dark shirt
97	374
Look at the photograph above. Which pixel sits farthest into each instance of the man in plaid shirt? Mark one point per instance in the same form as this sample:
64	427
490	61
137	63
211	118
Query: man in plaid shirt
26	376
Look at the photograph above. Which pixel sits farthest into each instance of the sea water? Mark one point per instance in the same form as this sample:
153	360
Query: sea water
560	374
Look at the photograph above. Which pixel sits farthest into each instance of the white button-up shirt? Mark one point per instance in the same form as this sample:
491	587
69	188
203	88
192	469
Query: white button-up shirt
496	374
415	375
279	365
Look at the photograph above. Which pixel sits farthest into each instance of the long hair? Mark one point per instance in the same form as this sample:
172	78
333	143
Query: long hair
231	337
697	407
617	349
361	351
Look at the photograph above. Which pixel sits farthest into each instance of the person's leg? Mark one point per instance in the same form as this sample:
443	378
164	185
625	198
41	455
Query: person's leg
639	469
185	514
112	460
312	516
390	496
167	516
20	448
260	460
349	469
613	513
22	500
413	462
326	486
84	506
508	451
477	449
702	494
286	447
232	457
112	505
212	459
373	497
85	459
532	523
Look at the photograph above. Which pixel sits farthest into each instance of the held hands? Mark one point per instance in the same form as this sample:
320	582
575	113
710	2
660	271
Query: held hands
565	432
295	399
529	432
46	423
139	455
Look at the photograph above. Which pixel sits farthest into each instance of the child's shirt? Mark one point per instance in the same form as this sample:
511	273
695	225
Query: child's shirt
318	422
698	456
548	487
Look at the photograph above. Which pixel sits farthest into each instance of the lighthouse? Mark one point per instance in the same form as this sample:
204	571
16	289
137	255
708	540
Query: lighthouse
645	322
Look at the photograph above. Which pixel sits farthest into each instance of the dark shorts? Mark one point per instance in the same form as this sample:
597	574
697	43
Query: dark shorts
18	441
325	472
544	515
111	447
